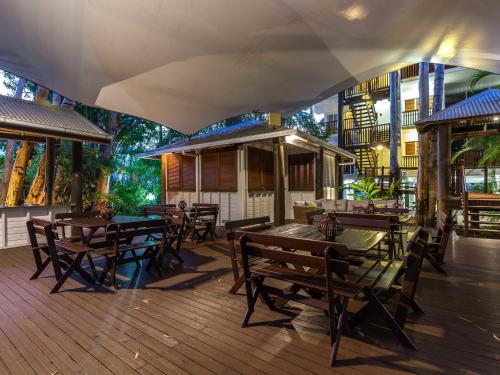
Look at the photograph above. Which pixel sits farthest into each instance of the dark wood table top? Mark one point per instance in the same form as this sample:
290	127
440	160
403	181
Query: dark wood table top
357	240
97	222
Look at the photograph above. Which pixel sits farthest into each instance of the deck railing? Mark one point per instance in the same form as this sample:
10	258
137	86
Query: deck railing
408	118
367	135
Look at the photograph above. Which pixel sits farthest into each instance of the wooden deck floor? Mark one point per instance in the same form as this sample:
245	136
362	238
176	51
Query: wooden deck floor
186	323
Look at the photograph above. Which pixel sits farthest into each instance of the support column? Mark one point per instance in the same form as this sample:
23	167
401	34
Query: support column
444	161
279	181
49	170
340	119
77	178
163	178
339	176
319	173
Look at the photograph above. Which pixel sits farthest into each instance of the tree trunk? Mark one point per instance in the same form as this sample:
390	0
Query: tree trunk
395	126
36	195
423	143
443	140
16	182
432	179
106	154
9	150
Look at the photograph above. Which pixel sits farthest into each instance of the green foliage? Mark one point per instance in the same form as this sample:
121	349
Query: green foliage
366	189
393	191
490	145
478	76
305	121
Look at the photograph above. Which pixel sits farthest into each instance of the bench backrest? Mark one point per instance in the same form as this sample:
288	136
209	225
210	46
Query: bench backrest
330	261
443	228
36	226
413	265
205	213
123	233
369	221
157	210
76	215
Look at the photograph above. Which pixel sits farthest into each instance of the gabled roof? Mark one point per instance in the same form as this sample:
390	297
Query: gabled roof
245	132
484	104
24	118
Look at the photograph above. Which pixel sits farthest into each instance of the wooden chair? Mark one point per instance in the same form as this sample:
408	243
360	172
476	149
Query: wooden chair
310	216
435	248
331	285
37	227
202	221
255	224
122	237
210	219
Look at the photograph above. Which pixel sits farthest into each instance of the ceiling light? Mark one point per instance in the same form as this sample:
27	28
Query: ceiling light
496	118
355	12
291	138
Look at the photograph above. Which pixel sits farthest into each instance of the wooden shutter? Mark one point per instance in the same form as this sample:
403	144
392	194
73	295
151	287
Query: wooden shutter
228	178
173	171
301	172
209	172
260	169
188	173
411	148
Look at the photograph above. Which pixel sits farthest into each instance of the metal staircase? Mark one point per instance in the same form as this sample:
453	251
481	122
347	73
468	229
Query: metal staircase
366	158
363	113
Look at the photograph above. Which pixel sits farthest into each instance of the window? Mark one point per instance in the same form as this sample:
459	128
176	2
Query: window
181	172
412	104
411	148
260	169
219	171
301	172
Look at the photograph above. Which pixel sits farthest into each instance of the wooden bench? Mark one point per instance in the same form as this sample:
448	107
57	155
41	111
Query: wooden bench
330	280
202	222
122	239
255	224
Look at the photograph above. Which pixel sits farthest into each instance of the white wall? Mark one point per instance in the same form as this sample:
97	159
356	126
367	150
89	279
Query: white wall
13	220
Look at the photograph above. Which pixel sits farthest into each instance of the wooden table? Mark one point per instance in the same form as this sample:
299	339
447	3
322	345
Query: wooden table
356	240
94	223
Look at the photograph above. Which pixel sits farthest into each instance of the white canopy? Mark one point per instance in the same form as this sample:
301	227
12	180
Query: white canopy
189	63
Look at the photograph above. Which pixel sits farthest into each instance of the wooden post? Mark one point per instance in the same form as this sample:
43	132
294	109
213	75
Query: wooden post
485	179
339	180
319	174
77	178
49	171
444	161
395	126
423	145
163	178
279	181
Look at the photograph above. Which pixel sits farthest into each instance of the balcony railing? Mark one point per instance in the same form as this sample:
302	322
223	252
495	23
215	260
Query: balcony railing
331	126
471	159
366	135
375	84
408	118
409	162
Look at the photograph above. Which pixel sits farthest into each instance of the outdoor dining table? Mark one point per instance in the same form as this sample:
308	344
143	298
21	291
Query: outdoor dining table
94	223
357	240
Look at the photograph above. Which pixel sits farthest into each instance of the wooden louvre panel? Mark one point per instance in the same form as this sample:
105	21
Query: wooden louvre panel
260	169
301	172
411	148
219	171
209	171
188	173
173	171
228	177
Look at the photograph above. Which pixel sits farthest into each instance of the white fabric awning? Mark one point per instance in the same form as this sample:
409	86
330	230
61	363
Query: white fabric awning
189	63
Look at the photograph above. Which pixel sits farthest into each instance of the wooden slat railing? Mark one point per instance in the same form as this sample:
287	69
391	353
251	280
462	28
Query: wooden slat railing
367	135
375	84
409	162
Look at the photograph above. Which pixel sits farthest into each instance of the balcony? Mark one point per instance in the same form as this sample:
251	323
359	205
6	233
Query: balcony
366	135
409	162
376	84
408	118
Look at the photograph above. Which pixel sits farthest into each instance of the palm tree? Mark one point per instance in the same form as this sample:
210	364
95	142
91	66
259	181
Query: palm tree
423	143
395	126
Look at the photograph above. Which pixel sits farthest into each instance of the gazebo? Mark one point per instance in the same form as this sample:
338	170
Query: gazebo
476	116
27	121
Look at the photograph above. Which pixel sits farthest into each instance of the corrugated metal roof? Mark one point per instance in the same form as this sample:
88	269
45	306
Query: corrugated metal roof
484	104
25	117
249	131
